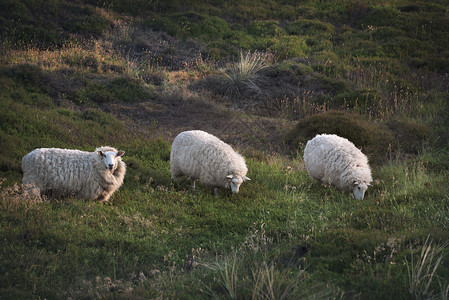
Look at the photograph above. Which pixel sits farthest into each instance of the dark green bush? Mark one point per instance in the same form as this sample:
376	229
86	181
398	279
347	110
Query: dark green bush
312	27
333	86
265	29
381	16
409	134
31	77
98	116
360	101
294	67
191	25
48	23
289	46
137	7
165	24
119	89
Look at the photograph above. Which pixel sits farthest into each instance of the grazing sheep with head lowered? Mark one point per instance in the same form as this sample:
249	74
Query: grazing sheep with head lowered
200	155
64	172
336	161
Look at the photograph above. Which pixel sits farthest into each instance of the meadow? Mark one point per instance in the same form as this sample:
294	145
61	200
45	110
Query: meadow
265	77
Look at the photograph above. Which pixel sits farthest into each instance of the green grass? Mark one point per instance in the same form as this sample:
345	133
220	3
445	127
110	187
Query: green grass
374	73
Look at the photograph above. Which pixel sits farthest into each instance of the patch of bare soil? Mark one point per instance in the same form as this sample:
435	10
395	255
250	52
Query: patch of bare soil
166	117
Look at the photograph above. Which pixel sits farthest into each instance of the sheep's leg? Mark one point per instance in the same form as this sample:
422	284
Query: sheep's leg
31	191
192	182
104	197
216	191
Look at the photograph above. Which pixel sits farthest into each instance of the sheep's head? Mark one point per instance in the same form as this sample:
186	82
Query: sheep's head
111	159
360	189
235	182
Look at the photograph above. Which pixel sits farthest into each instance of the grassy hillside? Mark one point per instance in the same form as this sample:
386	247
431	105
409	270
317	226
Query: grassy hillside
265	77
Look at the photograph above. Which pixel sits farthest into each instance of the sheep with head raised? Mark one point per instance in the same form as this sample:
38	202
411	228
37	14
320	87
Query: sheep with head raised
336	161
65	172
200	155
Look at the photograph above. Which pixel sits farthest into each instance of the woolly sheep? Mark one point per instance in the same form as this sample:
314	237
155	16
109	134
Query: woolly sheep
64	172
336	161
200	155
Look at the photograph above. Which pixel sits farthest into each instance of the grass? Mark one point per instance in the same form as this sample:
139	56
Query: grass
123	72
243	74
422	271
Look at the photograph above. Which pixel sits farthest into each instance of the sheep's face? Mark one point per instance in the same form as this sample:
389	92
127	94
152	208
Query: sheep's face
235	182
111	159
359	190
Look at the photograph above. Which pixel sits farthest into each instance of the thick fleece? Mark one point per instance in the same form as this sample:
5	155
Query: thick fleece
200	155
65	172
336	161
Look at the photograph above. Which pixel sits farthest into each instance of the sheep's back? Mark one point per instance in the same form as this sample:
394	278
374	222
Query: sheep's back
335	160
61	170
201	155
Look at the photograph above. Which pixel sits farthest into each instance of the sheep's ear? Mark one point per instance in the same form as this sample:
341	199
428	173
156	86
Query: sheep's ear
246	178
101	153
120	153
356	183
230	176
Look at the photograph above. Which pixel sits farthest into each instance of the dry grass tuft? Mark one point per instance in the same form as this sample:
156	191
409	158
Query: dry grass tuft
243	75
422	271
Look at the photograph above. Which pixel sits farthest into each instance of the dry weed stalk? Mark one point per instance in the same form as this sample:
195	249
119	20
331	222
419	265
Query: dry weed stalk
422	271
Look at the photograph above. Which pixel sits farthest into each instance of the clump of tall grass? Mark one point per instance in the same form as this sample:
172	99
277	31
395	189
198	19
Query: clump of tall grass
228	275
244	74
422	271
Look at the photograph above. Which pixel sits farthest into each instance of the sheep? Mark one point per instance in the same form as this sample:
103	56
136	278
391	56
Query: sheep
200	155
65	172
336	161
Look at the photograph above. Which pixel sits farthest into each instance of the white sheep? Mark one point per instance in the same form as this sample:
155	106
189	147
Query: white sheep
64	172
336	161
200	155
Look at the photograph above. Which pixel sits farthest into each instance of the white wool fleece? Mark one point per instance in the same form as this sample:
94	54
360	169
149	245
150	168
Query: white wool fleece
65	172
336	161
200	155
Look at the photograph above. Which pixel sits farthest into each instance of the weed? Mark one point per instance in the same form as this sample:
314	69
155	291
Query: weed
243	74
422	271
227	269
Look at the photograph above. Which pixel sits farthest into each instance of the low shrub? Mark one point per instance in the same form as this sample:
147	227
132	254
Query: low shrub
119	89
309	27
191	25
268	28
360	101
409	134
48	23
289	46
